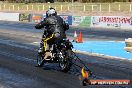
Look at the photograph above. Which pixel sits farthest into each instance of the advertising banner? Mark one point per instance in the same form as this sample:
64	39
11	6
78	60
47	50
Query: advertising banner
36	18
25	17
111	21
81	21
86	22
67	19
9	16
76	20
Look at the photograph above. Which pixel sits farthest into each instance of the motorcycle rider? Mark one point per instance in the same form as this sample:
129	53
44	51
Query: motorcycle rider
54	31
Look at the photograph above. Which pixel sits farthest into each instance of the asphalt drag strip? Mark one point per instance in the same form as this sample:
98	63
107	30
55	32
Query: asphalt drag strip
18	60
38	78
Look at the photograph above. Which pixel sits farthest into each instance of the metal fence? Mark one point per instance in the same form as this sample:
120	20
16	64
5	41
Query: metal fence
98	7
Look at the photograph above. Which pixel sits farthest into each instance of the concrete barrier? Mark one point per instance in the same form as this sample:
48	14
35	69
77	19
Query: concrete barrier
9	16
119	22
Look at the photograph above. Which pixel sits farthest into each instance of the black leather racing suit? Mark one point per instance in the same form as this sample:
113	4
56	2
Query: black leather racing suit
53	25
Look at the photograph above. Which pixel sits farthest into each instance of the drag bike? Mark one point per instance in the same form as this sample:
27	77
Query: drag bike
60	53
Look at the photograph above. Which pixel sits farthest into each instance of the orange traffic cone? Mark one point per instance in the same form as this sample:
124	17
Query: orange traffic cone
80	38
75	37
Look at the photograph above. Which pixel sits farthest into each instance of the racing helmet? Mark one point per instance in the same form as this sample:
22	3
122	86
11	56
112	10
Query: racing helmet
51	12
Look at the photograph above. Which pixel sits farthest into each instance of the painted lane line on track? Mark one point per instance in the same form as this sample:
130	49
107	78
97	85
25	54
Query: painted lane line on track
17	57
106	61
105	48
99	55
9	79
92	53
20	58
35	43
12	43
20	33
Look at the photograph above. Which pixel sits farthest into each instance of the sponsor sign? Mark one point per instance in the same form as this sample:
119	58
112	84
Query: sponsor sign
86	22
39	17
77	20
82	21
25	17
111	21
9	16
36	18
67	19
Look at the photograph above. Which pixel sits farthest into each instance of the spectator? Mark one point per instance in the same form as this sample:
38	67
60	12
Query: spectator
17	1
26	1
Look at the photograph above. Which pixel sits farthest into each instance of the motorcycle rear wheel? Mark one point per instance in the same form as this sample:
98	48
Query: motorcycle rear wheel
65	62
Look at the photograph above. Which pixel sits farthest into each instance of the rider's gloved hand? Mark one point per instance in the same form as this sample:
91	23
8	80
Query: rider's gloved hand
39	26
66	26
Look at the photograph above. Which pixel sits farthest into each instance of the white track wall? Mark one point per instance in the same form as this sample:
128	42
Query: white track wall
9	16
111	21
80	21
